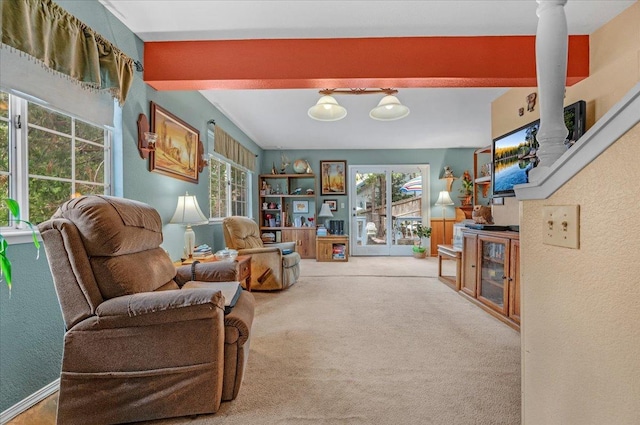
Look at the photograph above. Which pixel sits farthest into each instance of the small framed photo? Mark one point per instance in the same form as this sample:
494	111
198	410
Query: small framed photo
300	207
333	204
332	177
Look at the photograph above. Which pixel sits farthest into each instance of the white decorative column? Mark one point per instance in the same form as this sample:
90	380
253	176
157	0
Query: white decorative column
551	68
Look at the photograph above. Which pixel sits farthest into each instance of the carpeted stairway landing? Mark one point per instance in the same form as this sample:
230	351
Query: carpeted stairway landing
377	340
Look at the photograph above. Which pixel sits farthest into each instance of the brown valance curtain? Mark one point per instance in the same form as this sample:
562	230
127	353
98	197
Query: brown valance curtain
45	31
228	147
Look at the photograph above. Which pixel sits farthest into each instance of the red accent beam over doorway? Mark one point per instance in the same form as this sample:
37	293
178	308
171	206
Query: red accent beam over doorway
491	61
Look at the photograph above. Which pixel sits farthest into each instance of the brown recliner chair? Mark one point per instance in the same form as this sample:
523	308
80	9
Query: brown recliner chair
274	266
144	340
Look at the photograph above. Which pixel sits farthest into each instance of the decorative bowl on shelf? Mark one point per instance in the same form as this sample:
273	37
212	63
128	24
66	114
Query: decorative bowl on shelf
300	166
226	254
268	237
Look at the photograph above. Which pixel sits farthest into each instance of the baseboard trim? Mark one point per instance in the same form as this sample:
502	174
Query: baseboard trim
491	311
29	402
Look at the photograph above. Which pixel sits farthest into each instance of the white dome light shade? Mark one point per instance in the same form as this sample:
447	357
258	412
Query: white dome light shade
327	109
389	109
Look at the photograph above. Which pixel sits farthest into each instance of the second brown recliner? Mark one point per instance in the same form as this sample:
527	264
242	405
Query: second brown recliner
273	266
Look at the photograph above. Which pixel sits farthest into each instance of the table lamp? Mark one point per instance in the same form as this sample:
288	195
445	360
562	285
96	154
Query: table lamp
325	212
444	199
188	212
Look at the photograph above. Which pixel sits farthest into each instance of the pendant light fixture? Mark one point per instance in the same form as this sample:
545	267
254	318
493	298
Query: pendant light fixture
389	109
328	109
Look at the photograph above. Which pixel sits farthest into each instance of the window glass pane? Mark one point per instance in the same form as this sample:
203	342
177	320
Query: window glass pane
49	119
89	189
4	193
89	132
4	157
4	145
238	192
89	162
218	180
4	104
45	196
49	154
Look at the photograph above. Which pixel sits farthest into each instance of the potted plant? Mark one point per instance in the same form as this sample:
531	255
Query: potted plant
5	263
466	188
421	231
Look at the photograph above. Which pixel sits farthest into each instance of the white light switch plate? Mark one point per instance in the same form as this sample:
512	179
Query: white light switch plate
561	225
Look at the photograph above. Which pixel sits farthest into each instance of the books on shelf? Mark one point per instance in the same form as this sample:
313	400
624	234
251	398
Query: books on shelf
339	251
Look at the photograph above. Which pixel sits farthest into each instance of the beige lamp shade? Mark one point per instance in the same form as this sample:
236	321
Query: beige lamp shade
188	212
325	212
444	199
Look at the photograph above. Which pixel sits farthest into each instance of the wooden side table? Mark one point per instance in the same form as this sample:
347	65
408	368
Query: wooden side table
243	267
450	253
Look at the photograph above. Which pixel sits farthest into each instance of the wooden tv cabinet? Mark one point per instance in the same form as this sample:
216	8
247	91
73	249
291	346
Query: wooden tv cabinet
491	272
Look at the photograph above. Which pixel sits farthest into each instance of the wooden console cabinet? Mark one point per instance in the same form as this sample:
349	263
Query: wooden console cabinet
304	238
332	248
490	272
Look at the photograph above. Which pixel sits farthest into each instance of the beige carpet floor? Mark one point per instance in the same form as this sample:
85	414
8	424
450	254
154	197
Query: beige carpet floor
374	341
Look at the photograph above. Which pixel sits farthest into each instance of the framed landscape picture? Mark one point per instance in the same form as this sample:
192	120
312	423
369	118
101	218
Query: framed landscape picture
332	177
176	153
300	207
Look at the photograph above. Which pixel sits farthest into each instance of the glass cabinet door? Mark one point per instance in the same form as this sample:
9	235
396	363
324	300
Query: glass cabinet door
493	262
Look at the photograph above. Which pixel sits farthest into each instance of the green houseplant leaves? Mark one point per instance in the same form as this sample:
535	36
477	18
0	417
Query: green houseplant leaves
5	263
421	232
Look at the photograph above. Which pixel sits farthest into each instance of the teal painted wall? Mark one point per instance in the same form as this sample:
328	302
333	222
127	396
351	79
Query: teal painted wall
31	327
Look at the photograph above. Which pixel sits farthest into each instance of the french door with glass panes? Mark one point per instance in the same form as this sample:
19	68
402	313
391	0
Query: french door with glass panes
387	202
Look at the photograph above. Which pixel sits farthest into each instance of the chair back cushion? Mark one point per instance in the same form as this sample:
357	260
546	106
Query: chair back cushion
122	239
241	233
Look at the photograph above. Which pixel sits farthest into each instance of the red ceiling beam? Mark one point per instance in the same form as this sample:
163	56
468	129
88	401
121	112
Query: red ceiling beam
492	61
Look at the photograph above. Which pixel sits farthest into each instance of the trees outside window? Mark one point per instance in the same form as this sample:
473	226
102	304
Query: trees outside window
229	189
47	157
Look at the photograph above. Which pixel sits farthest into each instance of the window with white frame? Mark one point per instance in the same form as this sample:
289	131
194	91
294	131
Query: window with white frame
229	188
47	157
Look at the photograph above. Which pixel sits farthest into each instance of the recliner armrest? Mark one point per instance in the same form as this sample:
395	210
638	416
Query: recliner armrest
215	271
241	317
149	308
254	251
284	245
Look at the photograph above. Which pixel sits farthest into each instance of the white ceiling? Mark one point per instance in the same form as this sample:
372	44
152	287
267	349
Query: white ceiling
277	119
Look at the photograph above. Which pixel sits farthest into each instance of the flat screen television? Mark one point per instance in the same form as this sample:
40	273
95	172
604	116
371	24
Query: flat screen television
514	153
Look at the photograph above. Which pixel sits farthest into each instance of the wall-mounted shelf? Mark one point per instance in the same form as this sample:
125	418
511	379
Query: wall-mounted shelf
480	182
